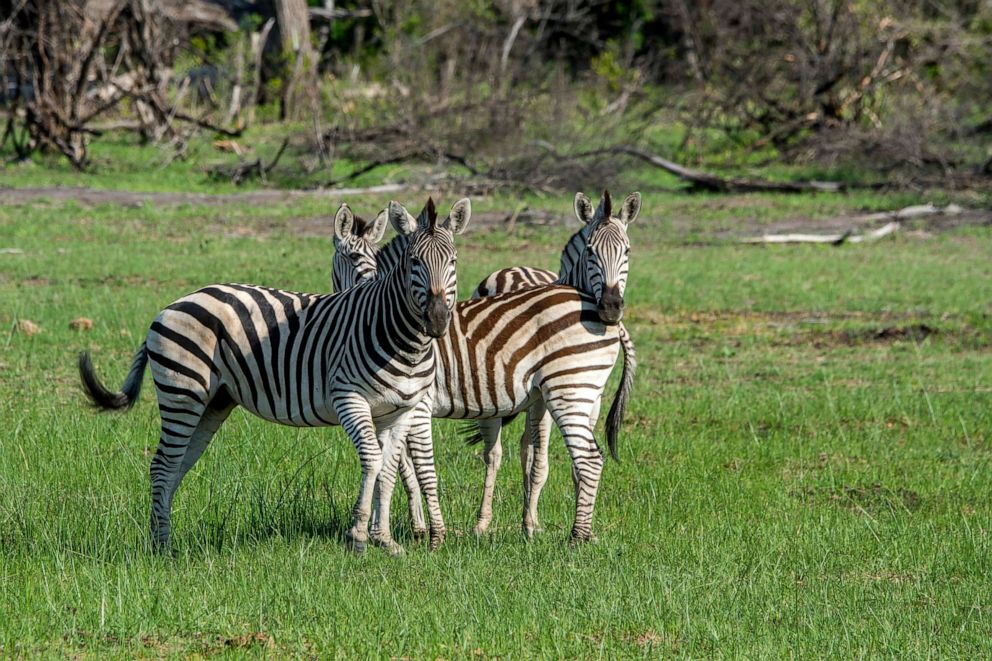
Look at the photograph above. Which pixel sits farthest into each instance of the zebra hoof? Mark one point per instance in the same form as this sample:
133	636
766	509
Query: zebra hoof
162	549
437	538
579	540
419	535
355	545
531	533
389	545
481	529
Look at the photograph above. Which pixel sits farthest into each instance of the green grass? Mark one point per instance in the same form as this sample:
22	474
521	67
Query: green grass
804	473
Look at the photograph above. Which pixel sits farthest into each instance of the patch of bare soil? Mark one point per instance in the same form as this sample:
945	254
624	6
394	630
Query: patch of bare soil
870	498
92	196
911	333
814	329
682	221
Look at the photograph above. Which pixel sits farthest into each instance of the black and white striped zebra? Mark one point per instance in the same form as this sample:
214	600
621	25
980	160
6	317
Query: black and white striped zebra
355	248
355	261
544	348
611	242
362	358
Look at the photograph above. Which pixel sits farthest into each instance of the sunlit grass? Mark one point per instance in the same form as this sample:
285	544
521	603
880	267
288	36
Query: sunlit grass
805	471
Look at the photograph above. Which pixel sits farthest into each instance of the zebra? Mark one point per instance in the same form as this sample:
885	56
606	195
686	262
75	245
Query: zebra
534	448
361	359
355	241
555	353
355	251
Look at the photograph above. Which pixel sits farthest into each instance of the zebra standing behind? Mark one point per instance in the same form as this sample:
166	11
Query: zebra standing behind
362	359
613	248
545	347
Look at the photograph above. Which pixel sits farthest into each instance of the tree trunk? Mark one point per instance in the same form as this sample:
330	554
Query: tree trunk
299	91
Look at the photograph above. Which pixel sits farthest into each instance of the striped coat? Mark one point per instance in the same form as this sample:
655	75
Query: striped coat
540	349
362	359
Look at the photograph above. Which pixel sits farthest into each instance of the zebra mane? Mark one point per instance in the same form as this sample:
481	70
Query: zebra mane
572	252
391	254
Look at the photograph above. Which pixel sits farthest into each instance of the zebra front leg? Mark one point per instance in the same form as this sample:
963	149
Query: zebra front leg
356	418
392	440
420	448
492	454
408	474
539	433
587	458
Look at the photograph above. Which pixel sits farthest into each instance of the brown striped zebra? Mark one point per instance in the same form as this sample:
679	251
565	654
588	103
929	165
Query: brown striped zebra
362	359
504	354
534	440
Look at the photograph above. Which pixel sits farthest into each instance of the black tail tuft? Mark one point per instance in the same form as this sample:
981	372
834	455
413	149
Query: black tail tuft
615	417
102	398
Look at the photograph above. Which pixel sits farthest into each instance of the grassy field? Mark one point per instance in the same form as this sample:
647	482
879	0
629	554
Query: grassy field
805	468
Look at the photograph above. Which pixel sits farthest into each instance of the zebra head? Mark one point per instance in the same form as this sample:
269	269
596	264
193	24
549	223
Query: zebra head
355	249
429	260
602	266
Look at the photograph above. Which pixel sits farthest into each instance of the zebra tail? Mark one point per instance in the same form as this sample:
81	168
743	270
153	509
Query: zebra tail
471	433
615	417
102	398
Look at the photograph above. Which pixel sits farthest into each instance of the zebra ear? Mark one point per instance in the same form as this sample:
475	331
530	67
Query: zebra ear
605	208
630	208
375	229
583	208
400	219
461	212
344	221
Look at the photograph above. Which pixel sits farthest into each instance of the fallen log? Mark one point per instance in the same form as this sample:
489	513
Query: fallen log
706	181
895	219
833	239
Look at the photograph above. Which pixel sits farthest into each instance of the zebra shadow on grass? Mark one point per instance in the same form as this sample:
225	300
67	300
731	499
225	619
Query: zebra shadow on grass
311	504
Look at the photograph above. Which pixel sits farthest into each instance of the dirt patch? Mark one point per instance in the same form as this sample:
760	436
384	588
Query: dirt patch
910	333
869	498
93	196
684	221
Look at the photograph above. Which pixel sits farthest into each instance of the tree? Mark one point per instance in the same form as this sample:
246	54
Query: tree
299	59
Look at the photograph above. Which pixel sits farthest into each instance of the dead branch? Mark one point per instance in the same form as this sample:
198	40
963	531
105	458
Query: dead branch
244	170
895	218
832	239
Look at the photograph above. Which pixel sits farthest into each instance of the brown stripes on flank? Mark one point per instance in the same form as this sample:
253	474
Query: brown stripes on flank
539	299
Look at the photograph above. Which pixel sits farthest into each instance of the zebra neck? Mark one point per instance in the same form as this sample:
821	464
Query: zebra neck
571	266
575	277
391	254
405	321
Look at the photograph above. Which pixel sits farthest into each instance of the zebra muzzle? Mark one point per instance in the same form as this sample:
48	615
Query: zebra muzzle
437	316
610	306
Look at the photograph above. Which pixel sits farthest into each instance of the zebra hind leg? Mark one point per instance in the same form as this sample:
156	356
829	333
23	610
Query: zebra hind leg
186	432
539	434
492	454
587	457
414	497
187	427
420	448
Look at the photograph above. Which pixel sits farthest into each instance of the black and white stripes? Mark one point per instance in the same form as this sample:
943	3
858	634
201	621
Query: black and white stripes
544	349
362	358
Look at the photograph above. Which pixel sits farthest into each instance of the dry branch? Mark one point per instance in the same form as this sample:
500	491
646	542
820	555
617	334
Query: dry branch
833	239
244	170
895	219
